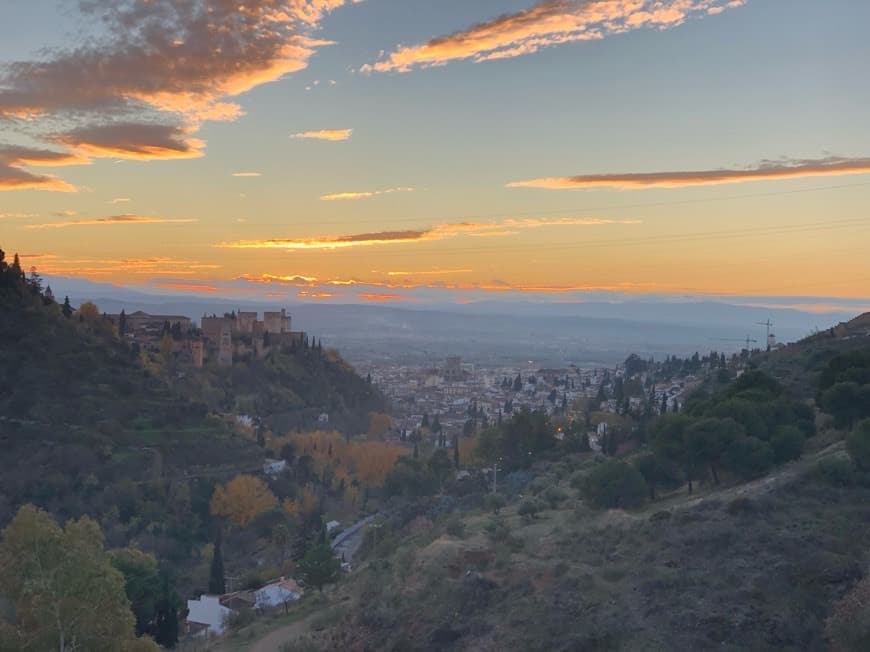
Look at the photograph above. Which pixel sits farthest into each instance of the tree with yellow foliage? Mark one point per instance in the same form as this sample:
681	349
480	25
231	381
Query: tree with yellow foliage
379	425
89	312
242	500
304	505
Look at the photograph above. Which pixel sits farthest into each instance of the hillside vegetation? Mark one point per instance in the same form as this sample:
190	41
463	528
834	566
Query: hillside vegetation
742	523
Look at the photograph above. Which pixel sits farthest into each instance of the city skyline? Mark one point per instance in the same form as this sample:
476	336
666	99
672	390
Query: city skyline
384	151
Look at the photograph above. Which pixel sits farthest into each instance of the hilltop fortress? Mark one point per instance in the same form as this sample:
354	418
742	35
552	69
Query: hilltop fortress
235	334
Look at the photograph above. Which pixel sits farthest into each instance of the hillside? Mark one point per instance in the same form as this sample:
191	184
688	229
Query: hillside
760	560
137	441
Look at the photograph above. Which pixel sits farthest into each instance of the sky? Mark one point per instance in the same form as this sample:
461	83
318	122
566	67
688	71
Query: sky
413	151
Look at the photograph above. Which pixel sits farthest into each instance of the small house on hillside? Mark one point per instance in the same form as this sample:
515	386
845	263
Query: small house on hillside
274	467
277	593
207	616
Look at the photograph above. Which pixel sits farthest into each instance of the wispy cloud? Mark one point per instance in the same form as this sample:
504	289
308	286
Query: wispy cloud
132	141
112	220
246	174
16	216
162	69
120	200
766	171
334	135
432	272
162	266
383	298
339	196
14	176
548	23
430	234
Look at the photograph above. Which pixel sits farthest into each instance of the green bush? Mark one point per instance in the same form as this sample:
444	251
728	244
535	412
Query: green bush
530	508
615	484
494	502
835	471
554	496
455	527
858	445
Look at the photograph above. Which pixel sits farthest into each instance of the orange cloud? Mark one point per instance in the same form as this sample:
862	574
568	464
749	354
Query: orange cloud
548	23
141	142
767	171
431	234
383	298
13	176
196	288
246	174
432	272
161	62
362	195
333	135
113	267
112	220
305	294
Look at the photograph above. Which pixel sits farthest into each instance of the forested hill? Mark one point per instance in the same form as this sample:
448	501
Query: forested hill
89	425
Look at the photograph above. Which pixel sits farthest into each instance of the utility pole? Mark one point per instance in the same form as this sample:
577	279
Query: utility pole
768	324
494	475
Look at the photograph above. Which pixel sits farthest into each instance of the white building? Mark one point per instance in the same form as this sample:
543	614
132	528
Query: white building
274	467
208	611
276	594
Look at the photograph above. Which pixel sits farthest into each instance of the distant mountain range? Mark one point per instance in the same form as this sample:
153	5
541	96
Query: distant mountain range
510	333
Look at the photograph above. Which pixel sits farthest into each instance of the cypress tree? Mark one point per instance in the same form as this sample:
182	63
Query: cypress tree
66	309
166	621
216	579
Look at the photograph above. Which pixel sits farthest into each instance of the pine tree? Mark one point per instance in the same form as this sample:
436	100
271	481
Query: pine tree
122	323
216	579
166	620
66	309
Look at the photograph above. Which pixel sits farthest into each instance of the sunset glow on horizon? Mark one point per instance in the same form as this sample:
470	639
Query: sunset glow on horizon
403	151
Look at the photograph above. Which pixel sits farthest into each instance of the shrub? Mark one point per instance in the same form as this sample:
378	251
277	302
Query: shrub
660	516
455	527
858	445
495	502
530	508
615	484
554	496
835	471
497	529
787	443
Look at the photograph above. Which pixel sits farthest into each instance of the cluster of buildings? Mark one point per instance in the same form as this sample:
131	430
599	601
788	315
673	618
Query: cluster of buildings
220	338
457	392
209	614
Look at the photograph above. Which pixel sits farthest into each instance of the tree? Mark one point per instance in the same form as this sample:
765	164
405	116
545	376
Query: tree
242	500
89	312
66	309
707	441
440	465
379	425
847	402
494	502
122	323
656	471
858	445
319	567
141	584
66	594
787	443
168	606
456	452
217	576
615	484
529	508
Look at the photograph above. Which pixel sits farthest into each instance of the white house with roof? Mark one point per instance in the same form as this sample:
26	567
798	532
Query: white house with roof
208	611
277	593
